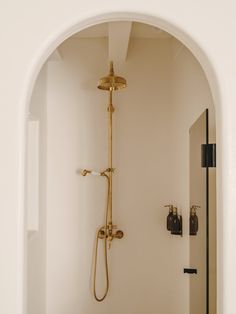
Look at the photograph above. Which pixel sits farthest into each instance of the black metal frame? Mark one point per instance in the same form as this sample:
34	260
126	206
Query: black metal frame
207	218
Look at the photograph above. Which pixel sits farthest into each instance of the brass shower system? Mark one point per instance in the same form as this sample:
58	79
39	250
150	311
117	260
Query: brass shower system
108	232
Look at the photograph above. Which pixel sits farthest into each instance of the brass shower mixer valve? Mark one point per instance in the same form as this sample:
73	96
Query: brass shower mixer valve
109	233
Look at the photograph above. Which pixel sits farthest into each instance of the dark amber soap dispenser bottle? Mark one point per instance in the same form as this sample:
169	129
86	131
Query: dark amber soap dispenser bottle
176	223
169	219
193	221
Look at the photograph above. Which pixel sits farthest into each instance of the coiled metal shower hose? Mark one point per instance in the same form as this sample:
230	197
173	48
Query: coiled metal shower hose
105	247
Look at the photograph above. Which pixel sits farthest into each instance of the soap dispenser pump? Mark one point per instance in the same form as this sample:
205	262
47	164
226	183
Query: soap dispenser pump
193	220
169	219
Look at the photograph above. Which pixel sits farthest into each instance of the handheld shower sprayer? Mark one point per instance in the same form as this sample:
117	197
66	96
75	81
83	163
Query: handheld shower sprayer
108	232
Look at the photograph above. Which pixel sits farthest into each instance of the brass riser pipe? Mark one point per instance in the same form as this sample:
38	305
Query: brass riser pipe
110	149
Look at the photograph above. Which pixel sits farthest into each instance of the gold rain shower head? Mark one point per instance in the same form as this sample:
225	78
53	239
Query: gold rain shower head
112	82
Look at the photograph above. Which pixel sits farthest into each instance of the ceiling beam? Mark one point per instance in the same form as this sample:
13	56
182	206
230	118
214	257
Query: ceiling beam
118	37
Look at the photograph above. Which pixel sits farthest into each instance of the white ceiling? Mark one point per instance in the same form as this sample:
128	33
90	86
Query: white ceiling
139	30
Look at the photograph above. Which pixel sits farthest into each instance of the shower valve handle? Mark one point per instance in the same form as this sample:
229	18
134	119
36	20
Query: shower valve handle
119	234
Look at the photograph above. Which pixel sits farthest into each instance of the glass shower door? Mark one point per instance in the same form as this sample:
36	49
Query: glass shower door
202	241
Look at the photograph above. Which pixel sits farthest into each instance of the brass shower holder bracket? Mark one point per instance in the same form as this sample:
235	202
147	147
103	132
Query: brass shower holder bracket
84	172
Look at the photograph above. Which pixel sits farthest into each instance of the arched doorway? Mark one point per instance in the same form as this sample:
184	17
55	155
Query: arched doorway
149	20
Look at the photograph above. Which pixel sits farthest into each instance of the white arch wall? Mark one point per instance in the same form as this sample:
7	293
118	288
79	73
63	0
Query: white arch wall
28	30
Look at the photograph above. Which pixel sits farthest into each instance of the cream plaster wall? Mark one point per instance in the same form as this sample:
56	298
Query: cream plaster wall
207	27
167	90
36	240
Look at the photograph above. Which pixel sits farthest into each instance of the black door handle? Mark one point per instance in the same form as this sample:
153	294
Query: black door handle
190	270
